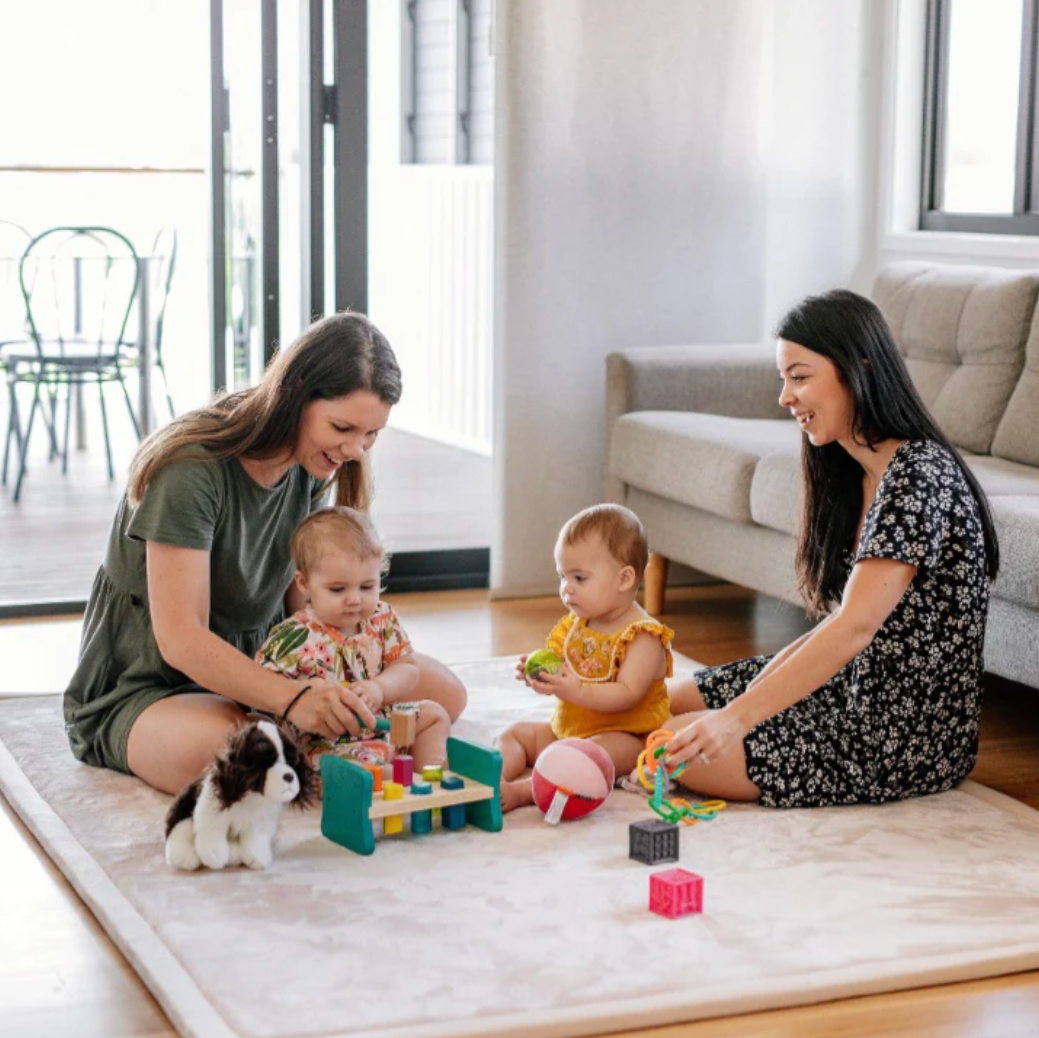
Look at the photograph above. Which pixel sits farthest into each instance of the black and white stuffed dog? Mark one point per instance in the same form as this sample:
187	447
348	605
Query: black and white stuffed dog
229	816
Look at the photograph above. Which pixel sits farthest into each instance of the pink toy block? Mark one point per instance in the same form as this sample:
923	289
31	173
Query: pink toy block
675	892
403	769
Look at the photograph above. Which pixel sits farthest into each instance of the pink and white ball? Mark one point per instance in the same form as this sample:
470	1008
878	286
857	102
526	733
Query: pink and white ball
571	778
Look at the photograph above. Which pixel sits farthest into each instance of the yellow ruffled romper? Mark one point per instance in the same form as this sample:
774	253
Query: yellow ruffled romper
596	658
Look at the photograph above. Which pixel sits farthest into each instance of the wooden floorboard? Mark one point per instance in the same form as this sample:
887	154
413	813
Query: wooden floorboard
430	496
61	976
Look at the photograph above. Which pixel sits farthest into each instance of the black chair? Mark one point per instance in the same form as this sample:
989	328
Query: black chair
78	285
161	265
14	335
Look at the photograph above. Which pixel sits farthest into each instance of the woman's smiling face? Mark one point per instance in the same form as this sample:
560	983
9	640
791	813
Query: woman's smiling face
814	393
334	432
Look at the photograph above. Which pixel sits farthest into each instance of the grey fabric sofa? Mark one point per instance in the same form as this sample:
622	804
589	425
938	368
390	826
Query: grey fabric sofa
699	447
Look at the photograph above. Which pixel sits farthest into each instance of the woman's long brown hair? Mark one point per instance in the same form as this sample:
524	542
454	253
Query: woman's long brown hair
334	357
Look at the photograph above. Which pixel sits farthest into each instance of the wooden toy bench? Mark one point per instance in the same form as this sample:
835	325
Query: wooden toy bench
350	803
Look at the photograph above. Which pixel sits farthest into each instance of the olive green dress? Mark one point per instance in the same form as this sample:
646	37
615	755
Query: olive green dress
210	505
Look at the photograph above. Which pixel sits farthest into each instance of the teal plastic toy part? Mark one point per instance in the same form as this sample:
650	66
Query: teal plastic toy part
382	724
481	764
346	799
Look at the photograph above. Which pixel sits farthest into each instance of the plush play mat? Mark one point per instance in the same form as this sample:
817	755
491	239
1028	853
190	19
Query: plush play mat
537	930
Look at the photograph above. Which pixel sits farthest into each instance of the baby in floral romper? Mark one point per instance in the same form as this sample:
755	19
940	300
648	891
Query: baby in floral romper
347	634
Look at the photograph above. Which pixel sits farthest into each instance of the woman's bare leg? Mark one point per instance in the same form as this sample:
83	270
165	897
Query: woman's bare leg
520	745
685	697
438	683
724	777
173	741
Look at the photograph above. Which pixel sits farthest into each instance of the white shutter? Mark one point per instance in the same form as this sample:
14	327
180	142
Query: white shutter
433	113
481	83
448	82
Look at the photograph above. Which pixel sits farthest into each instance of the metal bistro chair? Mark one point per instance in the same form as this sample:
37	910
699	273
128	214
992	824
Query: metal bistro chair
14	335
79	285
164	261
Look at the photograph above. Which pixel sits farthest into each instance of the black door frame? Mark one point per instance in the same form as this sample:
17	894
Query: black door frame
344	105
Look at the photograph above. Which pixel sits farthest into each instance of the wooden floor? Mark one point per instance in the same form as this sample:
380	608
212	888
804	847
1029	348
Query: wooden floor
61	977
430	496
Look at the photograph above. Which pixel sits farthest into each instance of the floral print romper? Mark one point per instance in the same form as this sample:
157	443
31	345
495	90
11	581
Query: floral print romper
304	647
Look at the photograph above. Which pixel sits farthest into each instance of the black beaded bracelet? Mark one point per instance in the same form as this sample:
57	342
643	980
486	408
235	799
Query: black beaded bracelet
284	715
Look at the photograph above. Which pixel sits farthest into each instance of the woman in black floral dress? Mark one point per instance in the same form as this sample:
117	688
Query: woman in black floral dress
880	701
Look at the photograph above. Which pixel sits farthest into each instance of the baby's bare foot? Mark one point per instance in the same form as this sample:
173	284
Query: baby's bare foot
518	793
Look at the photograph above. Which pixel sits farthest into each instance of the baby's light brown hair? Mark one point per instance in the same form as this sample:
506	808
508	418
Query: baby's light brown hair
342	528
618	528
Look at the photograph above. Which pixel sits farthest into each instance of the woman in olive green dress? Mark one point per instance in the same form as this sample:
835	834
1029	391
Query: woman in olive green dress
198	569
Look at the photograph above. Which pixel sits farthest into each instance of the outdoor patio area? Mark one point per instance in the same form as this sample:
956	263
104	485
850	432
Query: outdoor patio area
429	496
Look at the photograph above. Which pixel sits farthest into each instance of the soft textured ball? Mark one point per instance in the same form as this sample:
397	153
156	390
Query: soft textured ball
543	660
581	769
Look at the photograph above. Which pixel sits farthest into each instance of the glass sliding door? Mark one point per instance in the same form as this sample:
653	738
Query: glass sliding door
322	202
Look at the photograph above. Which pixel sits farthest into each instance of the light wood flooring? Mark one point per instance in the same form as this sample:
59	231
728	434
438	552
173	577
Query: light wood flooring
61	977
429	496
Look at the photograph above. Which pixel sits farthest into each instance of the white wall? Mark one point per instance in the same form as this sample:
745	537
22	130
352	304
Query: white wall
822	156
667	171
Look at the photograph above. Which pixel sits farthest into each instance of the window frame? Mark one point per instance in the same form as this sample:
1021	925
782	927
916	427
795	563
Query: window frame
1025	218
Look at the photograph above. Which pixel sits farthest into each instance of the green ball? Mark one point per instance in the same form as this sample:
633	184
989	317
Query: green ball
542	661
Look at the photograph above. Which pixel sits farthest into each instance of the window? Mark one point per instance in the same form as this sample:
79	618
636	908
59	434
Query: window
980	168
448	82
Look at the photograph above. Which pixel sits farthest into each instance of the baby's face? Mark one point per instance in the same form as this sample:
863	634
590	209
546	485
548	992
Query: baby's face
343	589
591	580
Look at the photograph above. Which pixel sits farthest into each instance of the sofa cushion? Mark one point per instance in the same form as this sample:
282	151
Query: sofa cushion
702	460
776	491
1017	437
999	477
962	331
1017	526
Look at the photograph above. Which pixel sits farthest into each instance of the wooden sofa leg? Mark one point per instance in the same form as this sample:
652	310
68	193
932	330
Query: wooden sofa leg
655	584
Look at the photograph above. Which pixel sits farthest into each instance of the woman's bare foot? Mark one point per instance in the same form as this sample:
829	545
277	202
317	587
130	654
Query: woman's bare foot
517	793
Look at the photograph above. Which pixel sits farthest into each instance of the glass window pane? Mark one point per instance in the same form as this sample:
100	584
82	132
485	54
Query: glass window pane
982	106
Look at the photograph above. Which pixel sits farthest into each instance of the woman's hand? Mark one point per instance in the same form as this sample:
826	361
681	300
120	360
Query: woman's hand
711	736
329	709
370	692
564	684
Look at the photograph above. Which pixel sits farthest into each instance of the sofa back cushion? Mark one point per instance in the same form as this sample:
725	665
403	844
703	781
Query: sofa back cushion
1017	438
962	332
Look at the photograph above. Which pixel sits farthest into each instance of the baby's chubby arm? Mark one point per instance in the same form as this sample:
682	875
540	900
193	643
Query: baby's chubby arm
644	663
394	684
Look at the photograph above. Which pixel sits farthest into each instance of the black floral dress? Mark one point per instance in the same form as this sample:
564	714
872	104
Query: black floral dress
901	719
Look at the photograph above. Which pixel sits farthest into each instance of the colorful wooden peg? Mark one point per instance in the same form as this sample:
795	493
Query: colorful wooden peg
403	769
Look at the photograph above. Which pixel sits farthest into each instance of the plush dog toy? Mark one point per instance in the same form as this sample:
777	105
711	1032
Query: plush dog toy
229	816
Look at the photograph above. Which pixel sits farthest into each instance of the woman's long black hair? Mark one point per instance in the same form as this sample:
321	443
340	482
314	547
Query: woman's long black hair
850	331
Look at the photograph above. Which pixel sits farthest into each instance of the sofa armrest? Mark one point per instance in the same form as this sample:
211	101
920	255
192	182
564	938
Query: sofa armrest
740	381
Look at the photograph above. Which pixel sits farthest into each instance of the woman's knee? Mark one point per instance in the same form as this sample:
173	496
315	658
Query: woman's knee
441	685
685	696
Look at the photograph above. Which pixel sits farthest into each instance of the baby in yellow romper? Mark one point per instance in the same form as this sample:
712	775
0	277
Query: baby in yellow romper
616	656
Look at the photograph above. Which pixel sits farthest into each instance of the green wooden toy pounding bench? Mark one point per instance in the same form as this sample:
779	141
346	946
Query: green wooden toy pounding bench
469	791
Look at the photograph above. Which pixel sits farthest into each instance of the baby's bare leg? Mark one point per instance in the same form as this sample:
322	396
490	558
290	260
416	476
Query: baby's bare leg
432	727
520	744
623	748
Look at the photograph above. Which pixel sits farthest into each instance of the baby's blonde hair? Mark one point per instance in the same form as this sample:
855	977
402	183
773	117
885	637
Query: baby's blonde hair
619	529
339	527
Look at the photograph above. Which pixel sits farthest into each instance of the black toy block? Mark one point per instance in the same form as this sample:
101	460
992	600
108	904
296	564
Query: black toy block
653	841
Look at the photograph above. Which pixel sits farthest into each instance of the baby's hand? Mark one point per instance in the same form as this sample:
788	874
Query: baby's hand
564	684
520	672
369	692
